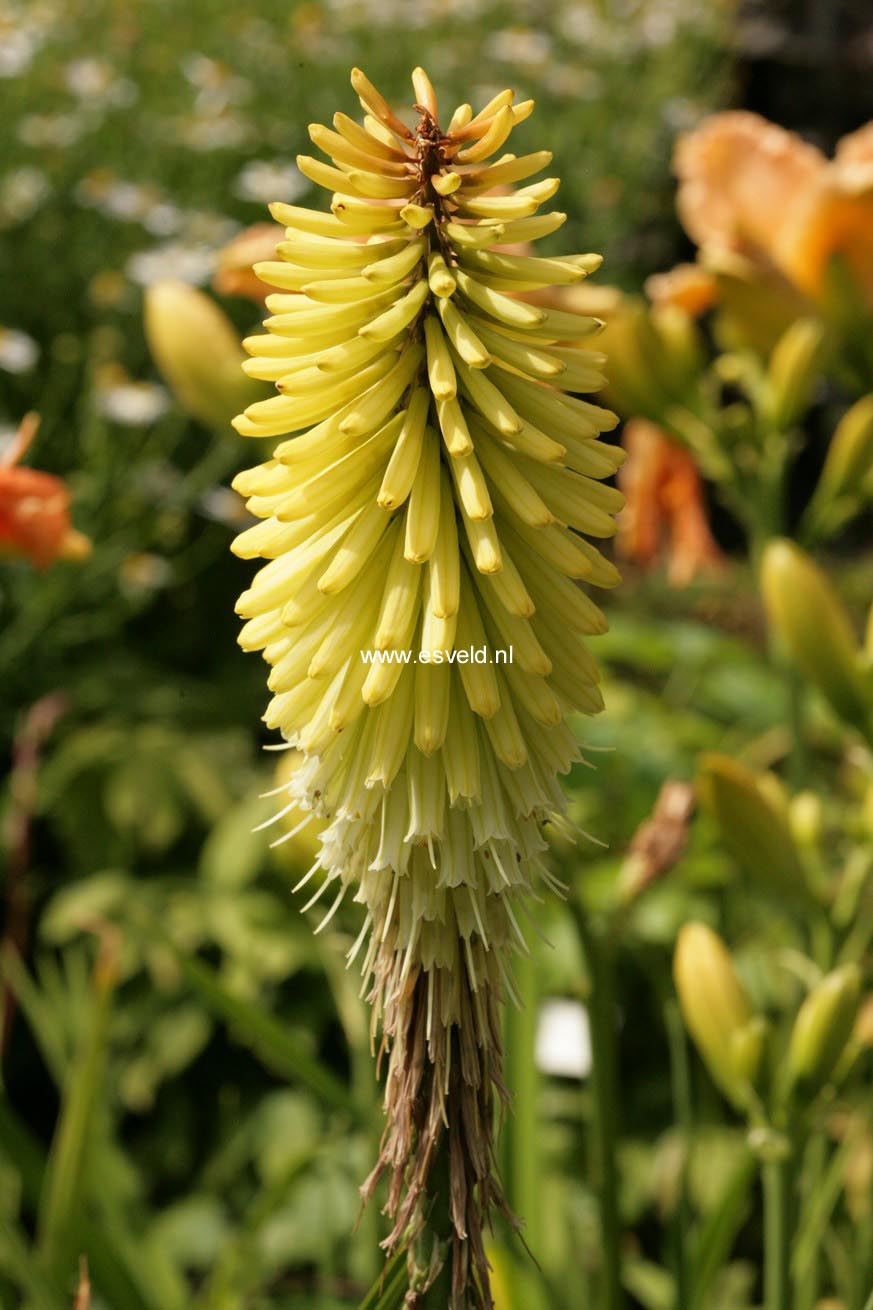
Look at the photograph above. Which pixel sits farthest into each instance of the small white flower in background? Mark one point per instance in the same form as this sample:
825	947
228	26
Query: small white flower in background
563	1041
192	264
133	404
265	180
144	572
17	50
206	227
163	219
18	351
129	201
224	506
95	80
21	193
519	45
205	133
49	130
89	77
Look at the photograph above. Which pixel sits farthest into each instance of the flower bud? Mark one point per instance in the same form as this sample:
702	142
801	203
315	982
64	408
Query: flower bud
849	461
748	1045
682	344
804	610
713	1003
753	822
805	818
196	348
822	1029
635	361
794	370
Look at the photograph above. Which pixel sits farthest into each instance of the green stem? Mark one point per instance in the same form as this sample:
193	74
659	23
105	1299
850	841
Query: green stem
438	1227
364	1088
521	1134
683	1116
598	949
777	1176
807	1280
797	763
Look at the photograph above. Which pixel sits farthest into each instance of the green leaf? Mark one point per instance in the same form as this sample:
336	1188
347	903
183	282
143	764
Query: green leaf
60	1208
390	1287
820	1207
233	853
719	1230
24	1269
262	1033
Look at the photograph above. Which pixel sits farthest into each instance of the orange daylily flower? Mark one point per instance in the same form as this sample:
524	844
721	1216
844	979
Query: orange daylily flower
688	286
749	187
235	275
664	506
35	509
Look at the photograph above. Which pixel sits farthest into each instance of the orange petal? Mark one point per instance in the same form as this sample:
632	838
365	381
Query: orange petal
688	286
34	514
738	176
665	505
641	477
692	548
234	276
838	220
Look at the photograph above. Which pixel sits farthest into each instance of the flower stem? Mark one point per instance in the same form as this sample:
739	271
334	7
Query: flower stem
598	950
521	1133
437	1229
778	1177
683	1114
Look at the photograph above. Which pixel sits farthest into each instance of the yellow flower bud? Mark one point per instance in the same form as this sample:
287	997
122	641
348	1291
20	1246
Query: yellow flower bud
714	1006
635	359
849	461
794	369
683	346
748	1045
196	348
804	610
753	822
805	818
822	1029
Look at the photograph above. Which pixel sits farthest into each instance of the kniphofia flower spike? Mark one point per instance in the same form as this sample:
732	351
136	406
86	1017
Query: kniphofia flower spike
437	499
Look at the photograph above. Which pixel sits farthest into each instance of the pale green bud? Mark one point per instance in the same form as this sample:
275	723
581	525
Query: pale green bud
804	610
794	369
805	818
713	1004
850	454
682	344
822	1029
197	349
752	817
748	1045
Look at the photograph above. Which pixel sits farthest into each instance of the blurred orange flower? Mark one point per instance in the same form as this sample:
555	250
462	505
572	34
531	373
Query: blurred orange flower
688	286
664	506
235	275
749	187
34	509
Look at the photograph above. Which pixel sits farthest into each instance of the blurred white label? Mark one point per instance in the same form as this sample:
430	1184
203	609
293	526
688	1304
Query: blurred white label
563	1044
